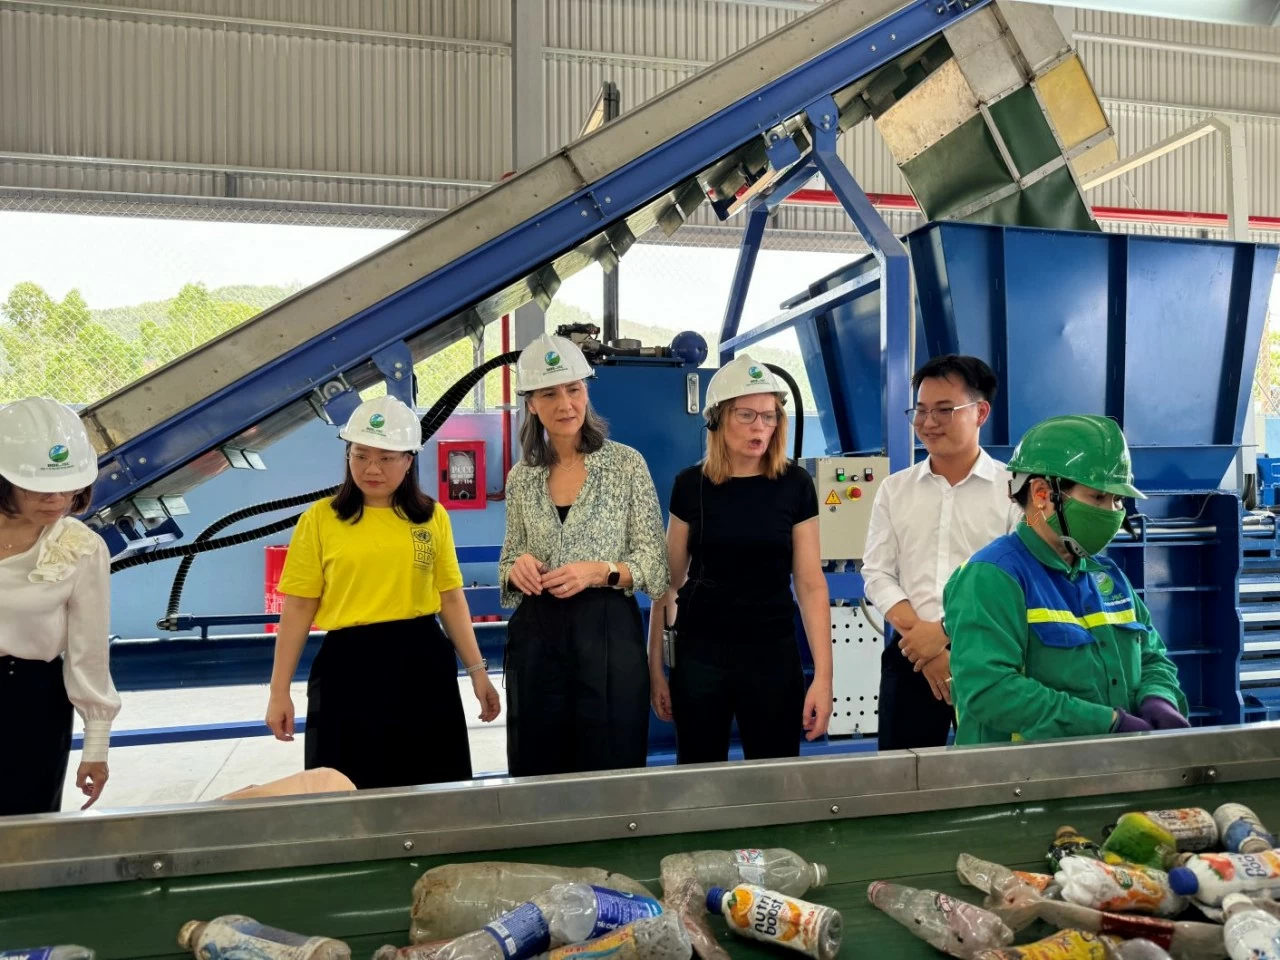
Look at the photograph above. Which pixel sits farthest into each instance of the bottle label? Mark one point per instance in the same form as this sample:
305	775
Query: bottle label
1039	882
36	953
521	933
619	945
1067	945
260	931
763	915
616	909
1193	828
751	865
1159	932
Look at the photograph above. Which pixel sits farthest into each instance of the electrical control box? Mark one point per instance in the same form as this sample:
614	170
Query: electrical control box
846	489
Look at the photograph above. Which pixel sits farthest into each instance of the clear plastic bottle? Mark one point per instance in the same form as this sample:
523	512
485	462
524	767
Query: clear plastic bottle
759	914
64	951
237	935
956	928
1139	949
567	913
687	900
457	898
653	938
775	869
1250	933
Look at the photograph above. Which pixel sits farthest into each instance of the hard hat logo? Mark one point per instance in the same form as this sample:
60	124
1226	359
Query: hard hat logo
755	373
377	421
59	454
552	358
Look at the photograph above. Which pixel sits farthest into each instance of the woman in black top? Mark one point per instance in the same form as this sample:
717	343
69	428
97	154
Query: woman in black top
743	526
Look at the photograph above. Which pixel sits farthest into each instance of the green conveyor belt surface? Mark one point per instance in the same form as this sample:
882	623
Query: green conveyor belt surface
367	904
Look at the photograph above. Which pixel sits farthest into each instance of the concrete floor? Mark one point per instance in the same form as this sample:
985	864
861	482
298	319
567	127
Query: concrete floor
189	772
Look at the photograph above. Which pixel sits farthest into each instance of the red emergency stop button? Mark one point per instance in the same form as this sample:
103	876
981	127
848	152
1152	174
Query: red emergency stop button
854	493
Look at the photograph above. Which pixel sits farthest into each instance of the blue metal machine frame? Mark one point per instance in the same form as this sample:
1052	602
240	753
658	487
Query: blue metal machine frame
377	331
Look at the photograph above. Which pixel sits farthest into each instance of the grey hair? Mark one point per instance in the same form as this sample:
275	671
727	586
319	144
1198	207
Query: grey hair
535	451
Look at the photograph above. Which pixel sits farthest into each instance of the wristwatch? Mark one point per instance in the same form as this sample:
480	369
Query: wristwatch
614	574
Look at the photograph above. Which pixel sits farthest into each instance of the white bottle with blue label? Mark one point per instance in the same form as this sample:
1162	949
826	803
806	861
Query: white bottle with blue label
66	951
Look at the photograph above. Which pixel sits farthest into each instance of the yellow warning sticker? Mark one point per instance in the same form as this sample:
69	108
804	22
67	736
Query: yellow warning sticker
833	499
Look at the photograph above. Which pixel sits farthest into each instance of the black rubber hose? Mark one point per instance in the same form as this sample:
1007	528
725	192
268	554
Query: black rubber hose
431	422
795	393
445	405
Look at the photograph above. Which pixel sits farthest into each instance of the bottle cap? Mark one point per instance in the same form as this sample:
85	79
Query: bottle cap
714	897
187	935
1183	880
819	874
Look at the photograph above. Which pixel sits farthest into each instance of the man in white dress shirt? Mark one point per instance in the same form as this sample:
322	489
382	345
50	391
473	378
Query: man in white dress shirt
925	522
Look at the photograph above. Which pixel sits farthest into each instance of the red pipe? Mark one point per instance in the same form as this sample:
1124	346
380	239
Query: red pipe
901	201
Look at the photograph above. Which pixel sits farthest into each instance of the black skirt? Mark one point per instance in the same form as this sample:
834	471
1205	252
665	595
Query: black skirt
577	675
383	706
33	762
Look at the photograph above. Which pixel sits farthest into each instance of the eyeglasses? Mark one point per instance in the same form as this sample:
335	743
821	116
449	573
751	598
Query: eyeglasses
745	415
941	415
364	462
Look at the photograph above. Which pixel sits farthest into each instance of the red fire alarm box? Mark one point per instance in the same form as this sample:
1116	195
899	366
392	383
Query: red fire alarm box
462	474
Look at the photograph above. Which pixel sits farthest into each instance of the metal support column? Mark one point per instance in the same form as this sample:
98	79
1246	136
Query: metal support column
897	299
528	125
611	102
747	252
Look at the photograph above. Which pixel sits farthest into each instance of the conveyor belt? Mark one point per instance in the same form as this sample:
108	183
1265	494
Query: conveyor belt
338	865
510	245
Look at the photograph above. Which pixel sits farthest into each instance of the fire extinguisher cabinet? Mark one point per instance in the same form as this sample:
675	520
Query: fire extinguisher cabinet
461	474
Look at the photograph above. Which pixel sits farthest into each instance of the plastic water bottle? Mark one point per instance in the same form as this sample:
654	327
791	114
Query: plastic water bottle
567	913
1241	830
956	928
457	898
767	915
64	951
236	935
774	869
1251	934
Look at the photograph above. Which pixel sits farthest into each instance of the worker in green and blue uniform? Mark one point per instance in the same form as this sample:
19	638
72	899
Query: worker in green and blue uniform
1048	639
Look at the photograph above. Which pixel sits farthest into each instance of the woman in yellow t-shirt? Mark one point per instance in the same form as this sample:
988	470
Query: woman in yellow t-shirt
373	566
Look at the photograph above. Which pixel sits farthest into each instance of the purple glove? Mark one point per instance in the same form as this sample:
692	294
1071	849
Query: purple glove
1162	714
1128	723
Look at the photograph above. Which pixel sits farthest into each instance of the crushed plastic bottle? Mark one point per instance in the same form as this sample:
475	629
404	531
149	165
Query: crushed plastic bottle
1193	828
1012	895
1250	933
65	951
1118	888
688	900
236	935
1241	830
1068	842
458	898
566	913
1211	877
956	928
654	938
1184	939
774	869
759	914
1136	838
1066	945
1139	950
415	951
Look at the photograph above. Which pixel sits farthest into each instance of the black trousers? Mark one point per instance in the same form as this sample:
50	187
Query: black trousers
383	706
910	715
33	761
717	679
577	676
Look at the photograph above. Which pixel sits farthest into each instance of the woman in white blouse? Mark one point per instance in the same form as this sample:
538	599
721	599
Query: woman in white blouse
584	533
54	604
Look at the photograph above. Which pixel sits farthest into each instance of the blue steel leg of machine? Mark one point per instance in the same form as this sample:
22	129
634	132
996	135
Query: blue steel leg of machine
897	309
747	252
396	364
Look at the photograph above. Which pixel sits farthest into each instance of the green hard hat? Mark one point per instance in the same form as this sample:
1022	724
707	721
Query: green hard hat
1087	449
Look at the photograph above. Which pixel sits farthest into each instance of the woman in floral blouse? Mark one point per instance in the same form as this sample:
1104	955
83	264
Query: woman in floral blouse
584	533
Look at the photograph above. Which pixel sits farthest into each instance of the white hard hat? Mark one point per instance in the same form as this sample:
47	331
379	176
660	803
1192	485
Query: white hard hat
738	378
548	362
44	447
386	423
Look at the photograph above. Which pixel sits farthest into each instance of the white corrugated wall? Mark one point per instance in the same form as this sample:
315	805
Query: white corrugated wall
420	89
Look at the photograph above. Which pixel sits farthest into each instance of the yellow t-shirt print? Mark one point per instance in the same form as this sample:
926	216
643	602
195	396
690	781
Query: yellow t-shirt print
378	569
